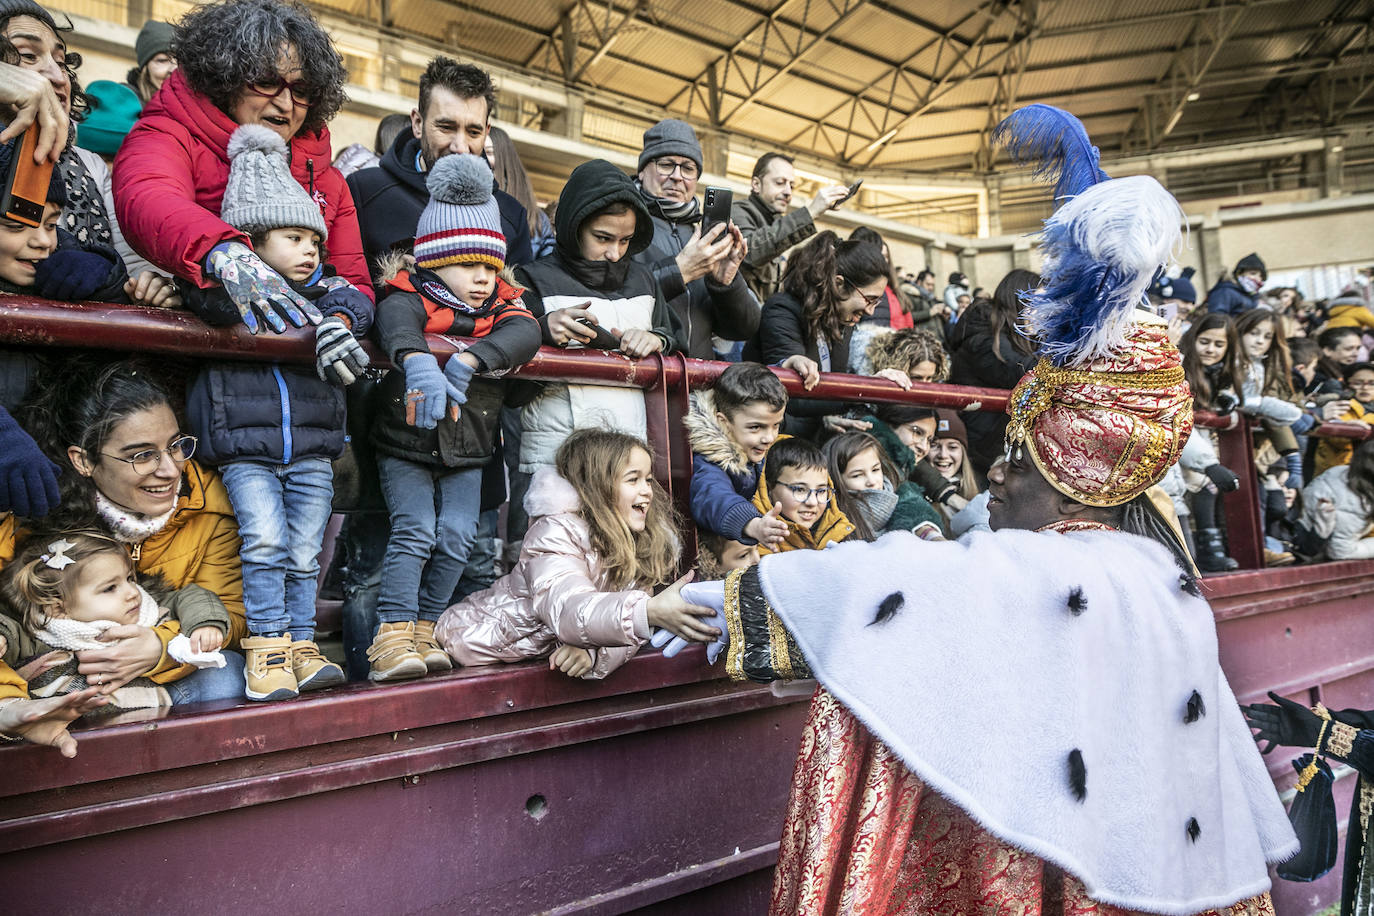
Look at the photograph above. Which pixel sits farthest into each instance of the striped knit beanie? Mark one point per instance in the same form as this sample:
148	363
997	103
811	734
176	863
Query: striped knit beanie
461	224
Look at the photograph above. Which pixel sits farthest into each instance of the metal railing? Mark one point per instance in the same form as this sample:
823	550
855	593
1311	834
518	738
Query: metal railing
665	380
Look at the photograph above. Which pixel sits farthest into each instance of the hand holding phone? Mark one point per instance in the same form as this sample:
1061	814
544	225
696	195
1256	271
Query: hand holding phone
716	209
853	189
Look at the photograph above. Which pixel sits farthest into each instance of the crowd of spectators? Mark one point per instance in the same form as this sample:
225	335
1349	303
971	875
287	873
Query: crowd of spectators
163	522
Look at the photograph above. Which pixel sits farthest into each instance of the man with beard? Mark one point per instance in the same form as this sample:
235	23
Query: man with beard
454	116
769	224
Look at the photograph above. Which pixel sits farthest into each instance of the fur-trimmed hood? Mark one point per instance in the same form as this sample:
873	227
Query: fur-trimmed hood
709	440
550	494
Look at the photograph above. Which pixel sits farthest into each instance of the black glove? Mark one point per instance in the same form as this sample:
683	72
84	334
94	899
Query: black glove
1225	402
1223	477
72	275
1287	723
937	487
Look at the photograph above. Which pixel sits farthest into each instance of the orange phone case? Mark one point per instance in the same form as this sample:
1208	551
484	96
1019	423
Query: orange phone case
26	184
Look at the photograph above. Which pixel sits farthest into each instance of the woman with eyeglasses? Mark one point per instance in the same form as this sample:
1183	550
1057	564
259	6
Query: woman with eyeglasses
828	286
127	470
240	62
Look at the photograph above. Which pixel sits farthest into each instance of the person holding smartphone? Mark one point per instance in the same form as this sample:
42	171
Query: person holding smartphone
697	271
771	225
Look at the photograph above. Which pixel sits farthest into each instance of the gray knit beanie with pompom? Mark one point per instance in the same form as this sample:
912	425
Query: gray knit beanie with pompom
461	224
261	194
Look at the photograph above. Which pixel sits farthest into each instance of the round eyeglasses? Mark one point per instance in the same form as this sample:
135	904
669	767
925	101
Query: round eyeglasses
145	462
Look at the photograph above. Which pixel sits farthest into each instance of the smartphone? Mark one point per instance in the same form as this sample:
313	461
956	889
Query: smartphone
716	210
853	189
25	183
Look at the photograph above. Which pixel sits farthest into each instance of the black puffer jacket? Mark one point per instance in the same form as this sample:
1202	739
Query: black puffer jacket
702	307
976	362
272	413
782	333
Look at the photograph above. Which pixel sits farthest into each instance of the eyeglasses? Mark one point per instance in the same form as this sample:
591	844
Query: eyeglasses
666	168
147	461
869	301
803	494
271	88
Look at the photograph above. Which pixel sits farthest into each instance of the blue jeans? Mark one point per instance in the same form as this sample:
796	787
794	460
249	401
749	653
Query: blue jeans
282	511
433	522
210	683
363	541
480	572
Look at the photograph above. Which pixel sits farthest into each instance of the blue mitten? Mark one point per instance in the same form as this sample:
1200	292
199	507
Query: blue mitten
28	480
459	375
1294	462
72	274
1302	424
345	297
426	388
707	594
257	290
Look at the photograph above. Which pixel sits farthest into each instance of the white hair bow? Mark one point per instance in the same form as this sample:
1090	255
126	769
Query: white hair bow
56	557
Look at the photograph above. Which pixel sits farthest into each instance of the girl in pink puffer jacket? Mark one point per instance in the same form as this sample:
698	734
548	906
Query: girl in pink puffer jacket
602	536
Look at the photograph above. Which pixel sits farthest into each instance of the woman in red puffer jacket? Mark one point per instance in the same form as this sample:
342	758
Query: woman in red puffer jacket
242	62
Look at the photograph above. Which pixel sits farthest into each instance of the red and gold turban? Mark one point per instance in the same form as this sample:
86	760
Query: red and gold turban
1104	432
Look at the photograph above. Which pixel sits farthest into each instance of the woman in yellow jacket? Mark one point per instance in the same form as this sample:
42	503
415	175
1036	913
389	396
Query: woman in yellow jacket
127	468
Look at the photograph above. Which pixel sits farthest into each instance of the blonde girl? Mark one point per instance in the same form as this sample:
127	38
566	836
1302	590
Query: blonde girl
602	538
68	588
1267	388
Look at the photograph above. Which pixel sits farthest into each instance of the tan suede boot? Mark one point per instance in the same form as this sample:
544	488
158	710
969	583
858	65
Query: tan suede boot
392	653
267	668
436	659
312	670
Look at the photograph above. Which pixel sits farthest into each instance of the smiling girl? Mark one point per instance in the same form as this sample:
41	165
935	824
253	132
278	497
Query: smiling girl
870	492
602	539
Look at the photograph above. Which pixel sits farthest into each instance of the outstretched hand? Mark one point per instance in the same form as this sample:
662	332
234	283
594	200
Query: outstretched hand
709	594
45	721
670	611
1283	722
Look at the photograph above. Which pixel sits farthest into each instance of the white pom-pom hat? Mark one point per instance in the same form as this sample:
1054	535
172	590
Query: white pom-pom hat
461	224
261	193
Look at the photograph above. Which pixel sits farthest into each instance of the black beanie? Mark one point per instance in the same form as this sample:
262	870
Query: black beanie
1252	262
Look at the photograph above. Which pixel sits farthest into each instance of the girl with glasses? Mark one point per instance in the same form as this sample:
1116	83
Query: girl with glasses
827	287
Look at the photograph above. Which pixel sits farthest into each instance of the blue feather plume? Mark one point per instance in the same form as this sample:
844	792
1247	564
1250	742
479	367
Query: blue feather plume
1056	143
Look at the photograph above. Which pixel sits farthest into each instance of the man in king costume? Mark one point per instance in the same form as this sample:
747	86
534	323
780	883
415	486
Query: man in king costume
1030	720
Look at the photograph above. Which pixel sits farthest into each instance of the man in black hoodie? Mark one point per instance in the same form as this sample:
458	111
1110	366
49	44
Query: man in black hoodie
454	116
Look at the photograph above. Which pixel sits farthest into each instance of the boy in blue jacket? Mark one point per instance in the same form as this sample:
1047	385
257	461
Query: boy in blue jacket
730	428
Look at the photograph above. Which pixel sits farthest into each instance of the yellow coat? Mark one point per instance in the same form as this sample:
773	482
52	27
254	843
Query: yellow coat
198	546
1333	452
832	527
1349	316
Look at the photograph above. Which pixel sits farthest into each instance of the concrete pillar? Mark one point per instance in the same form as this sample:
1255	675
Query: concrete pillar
389	50
1158	170
929	248
1210	253
1021	254
968	266
567	122
1333	168
994	186
140	11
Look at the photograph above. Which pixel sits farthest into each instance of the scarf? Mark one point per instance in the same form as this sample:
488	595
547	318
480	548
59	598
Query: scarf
875	507
80	635
84	215
128	527
1251	285
602	276
688	211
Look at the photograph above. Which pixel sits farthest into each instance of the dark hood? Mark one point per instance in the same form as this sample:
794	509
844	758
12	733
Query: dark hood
592	187
399	162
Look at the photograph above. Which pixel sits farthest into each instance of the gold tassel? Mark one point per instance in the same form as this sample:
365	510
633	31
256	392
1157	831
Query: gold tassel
1309	772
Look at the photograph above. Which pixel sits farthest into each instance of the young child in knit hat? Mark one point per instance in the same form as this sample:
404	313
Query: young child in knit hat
275	429
436	428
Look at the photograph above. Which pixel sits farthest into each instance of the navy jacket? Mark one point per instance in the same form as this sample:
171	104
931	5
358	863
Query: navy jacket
391	197
721	495
272	413
1228	297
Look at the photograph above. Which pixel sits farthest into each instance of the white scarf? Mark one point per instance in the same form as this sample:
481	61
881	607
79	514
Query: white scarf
127	526
80	635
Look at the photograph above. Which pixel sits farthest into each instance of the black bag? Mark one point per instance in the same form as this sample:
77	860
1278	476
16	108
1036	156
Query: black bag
1313	814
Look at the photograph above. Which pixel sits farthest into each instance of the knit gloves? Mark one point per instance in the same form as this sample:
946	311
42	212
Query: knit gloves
258	291
28	480
72	274
1293	461
1223	478
937	487
428	390
339	358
